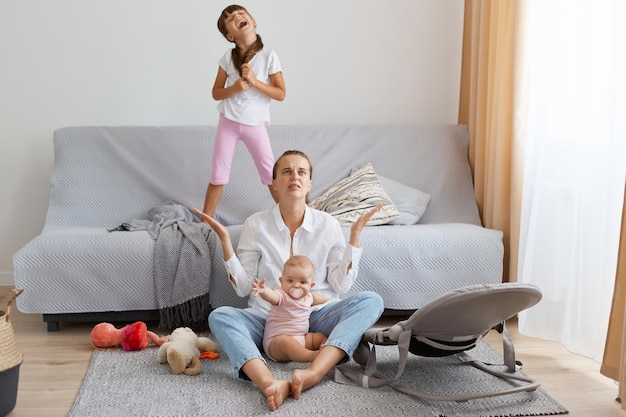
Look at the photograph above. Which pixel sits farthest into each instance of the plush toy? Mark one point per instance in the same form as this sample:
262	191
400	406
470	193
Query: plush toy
134	336
183	351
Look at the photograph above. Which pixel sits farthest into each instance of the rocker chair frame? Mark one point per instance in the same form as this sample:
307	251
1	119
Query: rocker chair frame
448	325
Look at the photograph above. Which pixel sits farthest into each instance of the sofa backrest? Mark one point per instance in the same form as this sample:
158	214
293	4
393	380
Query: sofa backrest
105	176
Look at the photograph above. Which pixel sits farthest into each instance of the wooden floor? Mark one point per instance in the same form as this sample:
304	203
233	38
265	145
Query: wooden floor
55	364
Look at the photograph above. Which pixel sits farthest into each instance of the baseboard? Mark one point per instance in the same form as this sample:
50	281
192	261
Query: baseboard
6	279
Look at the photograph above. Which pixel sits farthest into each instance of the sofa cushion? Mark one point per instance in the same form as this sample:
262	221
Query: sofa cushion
355	195
410	202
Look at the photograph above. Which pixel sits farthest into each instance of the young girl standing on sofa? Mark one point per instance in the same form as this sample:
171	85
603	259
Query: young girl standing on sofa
248	78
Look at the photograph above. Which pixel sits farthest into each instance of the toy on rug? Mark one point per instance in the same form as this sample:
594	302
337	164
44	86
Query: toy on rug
184	349
134	336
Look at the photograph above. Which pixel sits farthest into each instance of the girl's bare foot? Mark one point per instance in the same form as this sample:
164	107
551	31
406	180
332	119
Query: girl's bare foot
276	393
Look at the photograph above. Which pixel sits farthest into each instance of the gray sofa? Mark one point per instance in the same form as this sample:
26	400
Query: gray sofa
104	176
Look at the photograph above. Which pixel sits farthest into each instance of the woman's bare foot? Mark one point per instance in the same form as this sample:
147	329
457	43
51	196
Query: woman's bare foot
301	380
276	393
296	384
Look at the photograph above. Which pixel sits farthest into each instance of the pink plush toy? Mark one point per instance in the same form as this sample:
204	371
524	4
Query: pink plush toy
134	336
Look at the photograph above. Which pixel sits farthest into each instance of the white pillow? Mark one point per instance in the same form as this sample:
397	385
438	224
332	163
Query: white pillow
355	195
410	202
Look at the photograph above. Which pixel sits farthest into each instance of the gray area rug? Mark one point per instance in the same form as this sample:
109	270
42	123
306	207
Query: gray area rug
120	383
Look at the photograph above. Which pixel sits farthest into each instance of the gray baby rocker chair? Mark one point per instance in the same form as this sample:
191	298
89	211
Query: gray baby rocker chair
450	324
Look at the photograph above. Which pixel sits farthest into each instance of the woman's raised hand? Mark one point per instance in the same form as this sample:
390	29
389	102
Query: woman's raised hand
221	231
215	225
359	224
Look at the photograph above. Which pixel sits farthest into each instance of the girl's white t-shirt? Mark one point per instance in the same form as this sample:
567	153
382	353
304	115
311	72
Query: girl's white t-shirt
250	107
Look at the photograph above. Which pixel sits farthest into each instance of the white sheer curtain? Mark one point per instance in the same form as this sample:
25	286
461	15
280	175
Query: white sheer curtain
572	124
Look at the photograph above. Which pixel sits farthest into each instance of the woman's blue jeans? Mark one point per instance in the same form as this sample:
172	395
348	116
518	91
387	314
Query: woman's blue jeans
240	331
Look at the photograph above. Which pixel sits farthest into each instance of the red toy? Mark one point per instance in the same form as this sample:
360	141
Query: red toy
134	336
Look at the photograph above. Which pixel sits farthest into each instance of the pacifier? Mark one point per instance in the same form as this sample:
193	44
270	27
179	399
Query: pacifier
296	292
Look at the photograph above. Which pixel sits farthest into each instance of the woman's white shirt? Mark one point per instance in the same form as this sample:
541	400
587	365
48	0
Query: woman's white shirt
264	246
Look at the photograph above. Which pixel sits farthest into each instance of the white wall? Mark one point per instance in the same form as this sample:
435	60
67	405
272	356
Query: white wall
153	62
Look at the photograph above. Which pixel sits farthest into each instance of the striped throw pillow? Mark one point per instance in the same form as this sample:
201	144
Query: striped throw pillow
355	195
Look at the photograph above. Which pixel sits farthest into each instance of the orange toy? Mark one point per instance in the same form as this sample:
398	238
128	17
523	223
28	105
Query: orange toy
134	336
209	355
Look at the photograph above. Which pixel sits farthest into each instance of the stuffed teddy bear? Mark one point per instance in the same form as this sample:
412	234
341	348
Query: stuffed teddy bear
183	350
134	336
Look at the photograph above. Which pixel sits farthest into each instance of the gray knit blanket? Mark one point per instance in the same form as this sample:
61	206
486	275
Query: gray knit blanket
182	263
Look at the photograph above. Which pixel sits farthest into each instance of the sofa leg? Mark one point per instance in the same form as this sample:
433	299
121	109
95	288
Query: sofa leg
53	326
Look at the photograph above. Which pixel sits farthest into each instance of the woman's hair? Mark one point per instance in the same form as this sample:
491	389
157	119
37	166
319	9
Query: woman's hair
238	58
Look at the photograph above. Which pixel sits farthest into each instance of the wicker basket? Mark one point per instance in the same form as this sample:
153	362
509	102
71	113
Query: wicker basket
10	357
